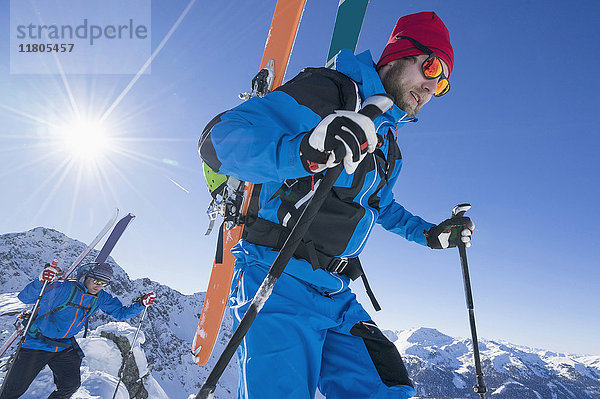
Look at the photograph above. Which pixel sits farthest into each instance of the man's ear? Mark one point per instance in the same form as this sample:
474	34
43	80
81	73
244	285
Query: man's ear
383	70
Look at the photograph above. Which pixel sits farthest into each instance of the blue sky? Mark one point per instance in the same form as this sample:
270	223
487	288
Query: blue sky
517	137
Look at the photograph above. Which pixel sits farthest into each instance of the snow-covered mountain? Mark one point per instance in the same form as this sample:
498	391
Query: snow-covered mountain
169	325
441	366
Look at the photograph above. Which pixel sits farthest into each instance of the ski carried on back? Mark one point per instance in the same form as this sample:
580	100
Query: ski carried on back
12	338
20	324
348	24
114	236
90	247
231	195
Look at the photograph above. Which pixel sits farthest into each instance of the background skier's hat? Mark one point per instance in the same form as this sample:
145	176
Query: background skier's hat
426	28
98	271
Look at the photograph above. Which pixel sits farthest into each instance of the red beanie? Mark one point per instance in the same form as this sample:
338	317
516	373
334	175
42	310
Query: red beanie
426	28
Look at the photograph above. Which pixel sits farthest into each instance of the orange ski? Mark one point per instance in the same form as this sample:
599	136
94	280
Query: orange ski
278	47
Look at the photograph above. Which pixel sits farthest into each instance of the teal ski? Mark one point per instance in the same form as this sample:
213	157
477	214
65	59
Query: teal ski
348	23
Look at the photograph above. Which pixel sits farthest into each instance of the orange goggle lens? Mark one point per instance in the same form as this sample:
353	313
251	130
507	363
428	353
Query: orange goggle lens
432	68
100	282
443	86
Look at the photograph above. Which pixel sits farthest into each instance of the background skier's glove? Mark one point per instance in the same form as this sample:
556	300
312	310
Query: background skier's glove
148	299
342	136
50	273
450	232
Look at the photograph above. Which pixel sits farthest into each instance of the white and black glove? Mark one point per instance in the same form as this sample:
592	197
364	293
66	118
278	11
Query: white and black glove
342	136
450	233
50	273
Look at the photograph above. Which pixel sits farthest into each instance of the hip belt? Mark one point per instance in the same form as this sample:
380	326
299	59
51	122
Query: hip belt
266	233
72	343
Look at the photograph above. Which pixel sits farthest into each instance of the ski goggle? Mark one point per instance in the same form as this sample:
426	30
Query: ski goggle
432	67
100	282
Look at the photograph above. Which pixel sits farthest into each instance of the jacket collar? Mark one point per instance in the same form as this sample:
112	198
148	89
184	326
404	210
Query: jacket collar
361	69
83	288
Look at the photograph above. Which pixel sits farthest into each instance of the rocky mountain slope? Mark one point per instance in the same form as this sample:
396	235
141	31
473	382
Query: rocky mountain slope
169	325
441	366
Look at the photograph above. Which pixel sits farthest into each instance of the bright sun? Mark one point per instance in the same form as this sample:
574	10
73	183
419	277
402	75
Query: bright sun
84	139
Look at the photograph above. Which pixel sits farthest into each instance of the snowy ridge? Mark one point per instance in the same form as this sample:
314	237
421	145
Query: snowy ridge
441	366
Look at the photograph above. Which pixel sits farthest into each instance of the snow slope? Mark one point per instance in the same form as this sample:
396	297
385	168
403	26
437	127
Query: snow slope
440	365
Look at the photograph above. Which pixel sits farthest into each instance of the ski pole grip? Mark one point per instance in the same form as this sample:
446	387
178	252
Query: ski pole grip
376	105
372	107
460	209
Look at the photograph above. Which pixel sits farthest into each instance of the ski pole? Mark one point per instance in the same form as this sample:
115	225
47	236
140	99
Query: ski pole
130	351
33	314
459	211
373	107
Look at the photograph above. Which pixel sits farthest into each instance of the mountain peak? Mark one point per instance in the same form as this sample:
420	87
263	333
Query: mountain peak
425	336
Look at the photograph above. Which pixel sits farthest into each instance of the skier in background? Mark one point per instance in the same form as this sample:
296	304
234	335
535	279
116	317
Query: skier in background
312	332
63	311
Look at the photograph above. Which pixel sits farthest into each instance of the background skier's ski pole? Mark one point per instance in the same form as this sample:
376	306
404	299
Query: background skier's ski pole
130	352
33	314
458	211
372	107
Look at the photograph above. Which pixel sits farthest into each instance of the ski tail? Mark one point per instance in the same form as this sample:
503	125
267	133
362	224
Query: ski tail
11	339
280	40
91	246
282	35
113	238
346	31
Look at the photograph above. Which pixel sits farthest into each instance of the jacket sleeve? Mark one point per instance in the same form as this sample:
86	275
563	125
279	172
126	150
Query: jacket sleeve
30	293
115	308
259	140
393	217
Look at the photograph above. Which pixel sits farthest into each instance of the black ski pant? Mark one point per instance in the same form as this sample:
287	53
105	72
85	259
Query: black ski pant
65	366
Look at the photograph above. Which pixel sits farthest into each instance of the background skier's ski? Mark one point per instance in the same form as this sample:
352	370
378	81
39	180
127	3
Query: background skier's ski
91	246
12	338
114	236
278	47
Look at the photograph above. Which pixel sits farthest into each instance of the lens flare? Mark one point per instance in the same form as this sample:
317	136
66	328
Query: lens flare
84	139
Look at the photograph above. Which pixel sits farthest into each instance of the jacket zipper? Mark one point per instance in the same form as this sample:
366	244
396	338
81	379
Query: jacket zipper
366	206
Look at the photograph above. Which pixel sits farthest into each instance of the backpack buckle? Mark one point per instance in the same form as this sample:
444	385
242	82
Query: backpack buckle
337	265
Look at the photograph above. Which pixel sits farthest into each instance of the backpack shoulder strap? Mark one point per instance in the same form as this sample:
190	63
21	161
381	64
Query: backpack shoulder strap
62	305
93	306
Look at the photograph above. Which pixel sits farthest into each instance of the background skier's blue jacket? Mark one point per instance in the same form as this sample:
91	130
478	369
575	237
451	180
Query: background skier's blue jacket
67	322
259	141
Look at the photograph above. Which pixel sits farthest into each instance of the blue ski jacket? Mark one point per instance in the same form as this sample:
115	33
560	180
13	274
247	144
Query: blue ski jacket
64	307
259	142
